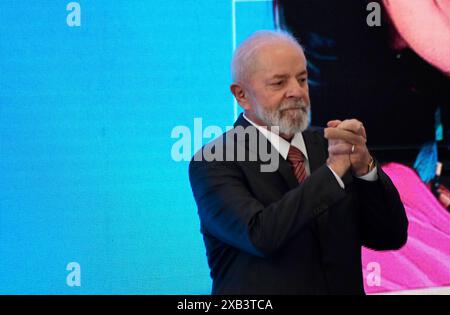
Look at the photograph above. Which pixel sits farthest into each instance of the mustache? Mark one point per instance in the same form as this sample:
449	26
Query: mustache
300	105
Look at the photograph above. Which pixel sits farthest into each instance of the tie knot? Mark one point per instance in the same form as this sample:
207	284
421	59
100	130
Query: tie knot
295	155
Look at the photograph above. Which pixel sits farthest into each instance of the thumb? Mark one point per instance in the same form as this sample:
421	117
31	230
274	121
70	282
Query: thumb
333	123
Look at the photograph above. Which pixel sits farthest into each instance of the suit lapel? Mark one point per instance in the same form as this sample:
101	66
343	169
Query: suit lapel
284	168
316	152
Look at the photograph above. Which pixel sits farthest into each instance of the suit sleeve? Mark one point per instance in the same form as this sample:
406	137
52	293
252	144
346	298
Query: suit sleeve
384	222
229	212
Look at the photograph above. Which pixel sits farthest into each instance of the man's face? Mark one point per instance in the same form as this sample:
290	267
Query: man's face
277	90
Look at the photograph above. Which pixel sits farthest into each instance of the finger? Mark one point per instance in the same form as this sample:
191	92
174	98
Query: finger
334	134
356	130
353	125
364	132
335	141
341	134
333	123
341	148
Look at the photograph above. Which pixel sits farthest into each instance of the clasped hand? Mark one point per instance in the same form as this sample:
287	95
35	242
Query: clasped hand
347	147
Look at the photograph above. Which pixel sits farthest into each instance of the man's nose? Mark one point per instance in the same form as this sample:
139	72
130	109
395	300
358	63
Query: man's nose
295	89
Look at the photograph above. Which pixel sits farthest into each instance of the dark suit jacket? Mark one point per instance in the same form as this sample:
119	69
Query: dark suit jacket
266	234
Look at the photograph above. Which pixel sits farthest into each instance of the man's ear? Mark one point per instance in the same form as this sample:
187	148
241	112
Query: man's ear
240	95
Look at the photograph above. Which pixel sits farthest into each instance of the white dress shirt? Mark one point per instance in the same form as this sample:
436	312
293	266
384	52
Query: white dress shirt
282	146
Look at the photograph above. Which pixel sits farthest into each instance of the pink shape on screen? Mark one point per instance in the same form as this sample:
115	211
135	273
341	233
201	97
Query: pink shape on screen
425	26
425	259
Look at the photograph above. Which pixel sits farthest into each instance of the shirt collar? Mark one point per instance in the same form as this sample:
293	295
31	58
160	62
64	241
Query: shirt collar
280	144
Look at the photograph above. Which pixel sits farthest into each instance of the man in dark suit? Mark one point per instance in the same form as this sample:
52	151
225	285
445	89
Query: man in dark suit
298	227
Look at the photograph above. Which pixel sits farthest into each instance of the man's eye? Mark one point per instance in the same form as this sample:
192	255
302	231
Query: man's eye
277	83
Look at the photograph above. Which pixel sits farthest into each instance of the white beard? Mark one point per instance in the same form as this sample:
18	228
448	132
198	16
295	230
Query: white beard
289	122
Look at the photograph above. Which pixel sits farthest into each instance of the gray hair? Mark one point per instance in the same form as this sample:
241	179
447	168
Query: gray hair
244	58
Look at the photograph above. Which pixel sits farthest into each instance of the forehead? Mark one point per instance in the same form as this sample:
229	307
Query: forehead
279	58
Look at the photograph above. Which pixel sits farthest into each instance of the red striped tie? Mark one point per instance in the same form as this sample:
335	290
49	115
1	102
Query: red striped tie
297	160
